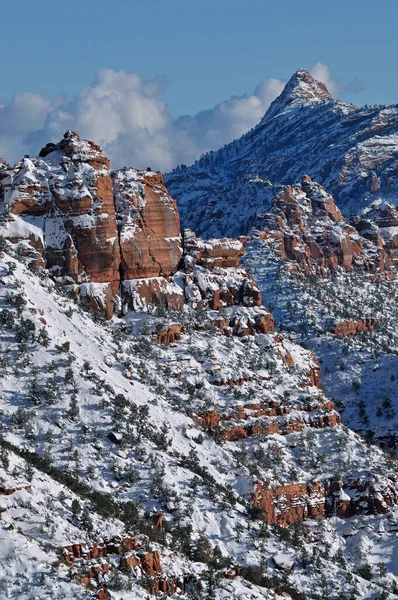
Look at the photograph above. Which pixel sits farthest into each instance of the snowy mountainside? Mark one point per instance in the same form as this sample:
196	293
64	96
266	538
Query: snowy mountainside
333	283
351	151
189	428
358	369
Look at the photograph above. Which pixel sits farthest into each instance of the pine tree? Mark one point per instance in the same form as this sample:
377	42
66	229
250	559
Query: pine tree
35	393
74	410
4	458
76	508
29	472
43	338
86	522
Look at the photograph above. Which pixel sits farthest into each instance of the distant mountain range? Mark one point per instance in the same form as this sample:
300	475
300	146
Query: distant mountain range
351	151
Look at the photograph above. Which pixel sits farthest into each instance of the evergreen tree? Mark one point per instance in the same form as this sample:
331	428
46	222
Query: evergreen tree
4	458
76	508
43	338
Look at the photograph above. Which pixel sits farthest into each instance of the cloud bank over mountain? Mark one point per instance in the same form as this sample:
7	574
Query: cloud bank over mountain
129	118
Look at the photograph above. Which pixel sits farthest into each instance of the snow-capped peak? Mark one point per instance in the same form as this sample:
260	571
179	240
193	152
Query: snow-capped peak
301	88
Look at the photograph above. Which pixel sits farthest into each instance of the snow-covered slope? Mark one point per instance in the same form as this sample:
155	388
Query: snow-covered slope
351	151
218	429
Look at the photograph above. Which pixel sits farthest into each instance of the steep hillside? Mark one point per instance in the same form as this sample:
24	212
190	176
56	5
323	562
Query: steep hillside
351	151
223	428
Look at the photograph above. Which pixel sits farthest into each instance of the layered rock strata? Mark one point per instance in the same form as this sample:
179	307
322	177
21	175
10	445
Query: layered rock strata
89	563
353	327
114	237
286	504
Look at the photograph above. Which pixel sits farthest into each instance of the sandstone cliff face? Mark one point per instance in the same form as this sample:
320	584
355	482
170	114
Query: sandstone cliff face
284	505
69	190
149	225
114	238
251	420
352	327
212	276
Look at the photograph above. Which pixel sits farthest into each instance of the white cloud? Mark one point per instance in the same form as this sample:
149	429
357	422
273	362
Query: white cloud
322	72
127	116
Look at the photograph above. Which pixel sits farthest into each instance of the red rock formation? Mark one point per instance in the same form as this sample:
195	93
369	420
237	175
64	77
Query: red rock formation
284	505
310	232
150	562
314	374
212	253
102	593
374	185
6	491
142	294
158	520
243	322
98	230
232	434
149	224
260	420
328	420
209	419
132	555
322	203
287	203
169	335
352	327
264	323
212	274
264	428
70	186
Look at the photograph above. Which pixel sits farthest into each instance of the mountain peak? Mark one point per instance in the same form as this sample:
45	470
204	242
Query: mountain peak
301	89
305	87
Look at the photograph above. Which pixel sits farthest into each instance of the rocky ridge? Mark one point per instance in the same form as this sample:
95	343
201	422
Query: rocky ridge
351	151
114	237
136	422
209	417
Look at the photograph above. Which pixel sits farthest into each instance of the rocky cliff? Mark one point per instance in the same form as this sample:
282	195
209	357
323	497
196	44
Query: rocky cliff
306	228
316	500
114	237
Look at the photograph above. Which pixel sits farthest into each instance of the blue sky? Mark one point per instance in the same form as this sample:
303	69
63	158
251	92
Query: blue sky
206	52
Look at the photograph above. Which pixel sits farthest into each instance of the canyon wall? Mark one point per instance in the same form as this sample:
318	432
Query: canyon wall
114	237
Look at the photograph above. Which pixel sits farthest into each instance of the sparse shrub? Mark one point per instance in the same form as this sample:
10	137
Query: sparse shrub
62	348
365	571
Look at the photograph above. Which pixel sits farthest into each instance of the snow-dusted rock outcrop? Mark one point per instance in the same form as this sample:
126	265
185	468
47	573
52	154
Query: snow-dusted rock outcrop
306	227
114	237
